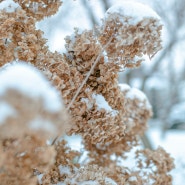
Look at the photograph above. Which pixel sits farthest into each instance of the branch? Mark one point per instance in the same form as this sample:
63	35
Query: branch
88	74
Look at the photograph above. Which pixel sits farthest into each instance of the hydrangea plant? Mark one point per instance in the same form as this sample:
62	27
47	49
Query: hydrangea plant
44	95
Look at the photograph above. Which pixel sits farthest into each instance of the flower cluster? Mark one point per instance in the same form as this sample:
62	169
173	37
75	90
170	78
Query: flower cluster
81	96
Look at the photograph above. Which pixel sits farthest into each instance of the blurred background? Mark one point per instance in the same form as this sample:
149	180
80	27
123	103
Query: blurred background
162	79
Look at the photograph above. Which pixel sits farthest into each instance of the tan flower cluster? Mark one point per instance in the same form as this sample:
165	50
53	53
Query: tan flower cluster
23	157
39	8
137	110
151	167
97	123
64	164
109	117
27	121
158	164
19	38
136	114
28	110
133	37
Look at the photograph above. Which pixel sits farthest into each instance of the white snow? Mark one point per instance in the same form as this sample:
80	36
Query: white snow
137	94
8	5
89	182
141	58
88	103
108	180
124	87
103	104
42	124
64	170
6	111
39	177
133	178
74	142
28	80
134	10
134	93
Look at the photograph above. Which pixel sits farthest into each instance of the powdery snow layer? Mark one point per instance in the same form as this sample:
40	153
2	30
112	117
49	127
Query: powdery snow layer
27	80
42	124
136	94
124	87
136	11
110	181
5	111
103	104
8	5
64	170
133	93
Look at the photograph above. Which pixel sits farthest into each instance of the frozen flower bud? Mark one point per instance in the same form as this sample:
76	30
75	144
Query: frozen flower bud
135	30
28	102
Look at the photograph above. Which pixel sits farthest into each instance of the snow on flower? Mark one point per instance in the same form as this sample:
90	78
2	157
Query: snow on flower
42	124
103	104
110	181
64	170
133	93
134	10
5	111
9	5
29	81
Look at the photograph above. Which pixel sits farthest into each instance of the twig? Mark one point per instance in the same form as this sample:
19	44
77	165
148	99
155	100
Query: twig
88	74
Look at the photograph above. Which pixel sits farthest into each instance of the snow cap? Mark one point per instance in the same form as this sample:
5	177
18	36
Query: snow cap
28	80
135	11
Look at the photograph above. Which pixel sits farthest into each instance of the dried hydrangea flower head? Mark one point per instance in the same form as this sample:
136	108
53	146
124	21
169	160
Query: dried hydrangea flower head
137	112
137	109
158	164
24	158
122	41
29	103
31	112
99	112
40	9
109	118
19	38
136	31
